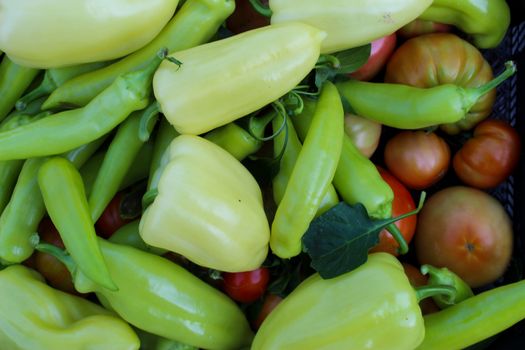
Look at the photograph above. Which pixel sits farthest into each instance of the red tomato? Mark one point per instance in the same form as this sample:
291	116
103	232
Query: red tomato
402	204
467	231
420	27
247	286
55	273
270	302
380	52
490	156
417	279
418	159
111	219
245	18
364	132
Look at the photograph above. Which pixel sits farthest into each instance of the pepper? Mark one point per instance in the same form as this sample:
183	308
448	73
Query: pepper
486	21
66	203
408	107
19	220
348	23
72	128
311	175
373	306
475	319
33	315
195	23
292	148
163	137
444	276
129	235
76	32
230	78
164	299
55	77
208	208
14	80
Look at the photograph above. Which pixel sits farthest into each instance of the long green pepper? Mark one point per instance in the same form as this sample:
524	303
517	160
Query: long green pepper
196	22
72	128
312	174
19	220
14	80
66	203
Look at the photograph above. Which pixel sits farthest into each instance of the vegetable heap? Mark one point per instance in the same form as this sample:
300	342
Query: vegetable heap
219	174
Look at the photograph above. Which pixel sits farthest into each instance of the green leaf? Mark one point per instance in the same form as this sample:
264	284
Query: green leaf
338	240
352	59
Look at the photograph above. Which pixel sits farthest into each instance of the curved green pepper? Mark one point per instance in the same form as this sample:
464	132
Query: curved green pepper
67	205
408	107
194	23
163	298
486	21
35	316
373	306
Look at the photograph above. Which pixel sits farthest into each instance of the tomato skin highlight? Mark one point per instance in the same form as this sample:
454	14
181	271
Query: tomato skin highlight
419	159
467	231
380	52
402	203
364	132
270	302
490	156
246	287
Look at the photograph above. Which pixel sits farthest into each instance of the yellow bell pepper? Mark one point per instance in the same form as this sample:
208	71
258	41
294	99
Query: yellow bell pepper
56	33
208	208
34	316
221	81
349	23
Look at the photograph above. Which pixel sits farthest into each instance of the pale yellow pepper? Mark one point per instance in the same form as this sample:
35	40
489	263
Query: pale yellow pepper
57	33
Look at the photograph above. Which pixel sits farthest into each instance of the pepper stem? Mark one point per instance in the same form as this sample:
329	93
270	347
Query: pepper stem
398	236
261	9
148	120
46	87
424	292
59	254
474	94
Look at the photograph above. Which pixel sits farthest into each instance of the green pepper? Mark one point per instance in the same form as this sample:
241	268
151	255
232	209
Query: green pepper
33	315
486	21
208	208
408	107
373	306
14	80
444	276
292	148
224	80
311	175
164	299
163	137
475	319
67	205
72	128
129	235
55	77
194	23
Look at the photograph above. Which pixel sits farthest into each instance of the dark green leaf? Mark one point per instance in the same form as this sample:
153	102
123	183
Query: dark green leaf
352	59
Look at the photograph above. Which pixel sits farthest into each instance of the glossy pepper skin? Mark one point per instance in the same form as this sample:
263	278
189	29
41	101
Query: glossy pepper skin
34	316
311	176
230	78
67	205
486	21
194	23
164	299
373	306
475	319
208	208
348	23
82	31
426	61
73	128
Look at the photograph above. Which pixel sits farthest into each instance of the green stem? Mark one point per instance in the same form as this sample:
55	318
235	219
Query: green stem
424	292
398	236
149	197
328	60
257	125
261	9
45	88
148	120
473	94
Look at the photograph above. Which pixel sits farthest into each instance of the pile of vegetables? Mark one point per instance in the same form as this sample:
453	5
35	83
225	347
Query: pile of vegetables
219	174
